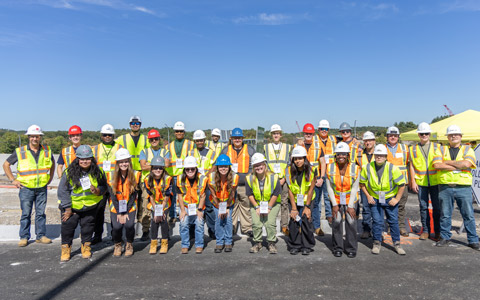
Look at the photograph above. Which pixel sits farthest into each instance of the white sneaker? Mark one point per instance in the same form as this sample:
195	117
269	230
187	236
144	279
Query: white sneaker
376	247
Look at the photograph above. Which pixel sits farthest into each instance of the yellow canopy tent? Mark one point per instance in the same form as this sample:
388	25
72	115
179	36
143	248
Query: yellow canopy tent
469	122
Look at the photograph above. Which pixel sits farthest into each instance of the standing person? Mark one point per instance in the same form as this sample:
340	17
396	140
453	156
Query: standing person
240	155
398	156
383	184
342	184
158	186
104	154
346	133
263	191
300	176
277	155
454	163
134	142
35	169
425	180
67	154
215	143
327	144
123	202
223	183
191	198
365	157
80	191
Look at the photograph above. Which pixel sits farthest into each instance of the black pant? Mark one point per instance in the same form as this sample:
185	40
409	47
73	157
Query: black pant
117	228
163	227
304	239
87	223
100	217
350	244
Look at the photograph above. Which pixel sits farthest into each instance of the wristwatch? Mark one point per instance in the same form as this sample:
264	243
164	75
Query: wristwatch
200	210
308	206
257	207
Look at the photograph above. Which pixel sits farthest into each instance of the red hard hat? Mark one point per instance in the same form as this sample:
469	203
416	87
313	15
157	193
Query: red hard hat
74	130
308	128
153	133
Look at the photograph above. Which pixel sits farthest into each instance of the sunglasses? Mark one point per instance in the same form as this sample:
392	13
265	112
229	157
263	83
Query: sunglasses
323	129
154	139
345	131
107	135
190	169
157	168
135	123
179	131
424	134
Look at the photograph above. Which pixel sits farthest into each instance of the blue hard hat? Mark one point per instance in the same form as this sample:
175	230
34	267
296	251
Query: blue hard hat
223	160
237	132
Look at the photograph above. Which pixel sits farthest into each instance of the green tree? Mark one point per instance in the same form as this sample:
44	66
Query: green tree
439	118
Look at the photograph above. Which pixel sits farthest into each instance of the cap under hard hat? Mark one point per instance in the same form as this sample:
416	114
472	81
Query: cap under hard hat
275	127
454	129
179	126
393	130
380	150
107	129
135	119
190	162
216	131
324	124
153	133
308	128
199	135
299	151
122	154
84	151
344	126
258	158
34	130
342	147
368	136
74	130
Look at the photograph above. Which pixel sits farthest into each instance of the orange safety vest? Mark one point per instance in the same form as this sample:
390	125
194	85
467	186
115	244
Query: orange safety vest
328	148
191	194
222	194
158	191
242	159
399	159
313	153
354	149
345	185
68	154
123	193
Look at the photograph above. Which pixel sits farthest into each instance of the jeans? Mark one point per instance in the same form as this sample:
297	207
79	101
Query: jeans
28	196
463	196
210	215
173	212
379	223
185	233
366	213
317	205
423	193
223	228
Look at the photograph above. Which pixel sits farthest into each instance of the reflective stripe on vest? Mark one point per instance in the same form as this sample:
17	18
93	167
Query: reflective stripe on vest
30	173
207	162
81	197
127	142
400	162
191	194
362	159
345	185
68	155
123	193
242	159
425	173
329	148
101	154
282	158
313	153
217	148
387	184
353	150
149	156
172	169
222	194
158	191
296	189
461	177
268	187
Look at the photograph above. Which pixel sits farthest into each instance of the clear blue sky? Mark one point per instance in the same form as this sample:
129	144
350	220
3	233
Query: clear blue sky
219	63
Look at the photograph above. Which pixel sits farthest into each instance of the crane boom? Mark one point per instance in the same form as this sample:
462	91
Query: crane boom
450	112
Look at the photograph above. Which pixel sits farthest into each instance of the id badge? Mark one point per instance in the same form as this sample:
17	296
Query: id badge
327	158
192	210
107	166
158	210
381	197
235	167
201	171
179	163
300	199
343	198
85	182
398	155
263	207
122	206
276	168
298	218
222	207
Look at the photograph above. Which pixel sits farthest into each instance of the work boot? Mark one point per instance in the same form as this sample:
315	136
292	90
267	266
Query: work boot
272	248
128	250
256	247
228	248
117	250
86	250
442	243
184	250
285	231
43	240
403	232
365	235
319	232
218	248
376	247
66	250
437	237
145	236
23	243
164	246
199	250
474	246
424	236
399	249
153	246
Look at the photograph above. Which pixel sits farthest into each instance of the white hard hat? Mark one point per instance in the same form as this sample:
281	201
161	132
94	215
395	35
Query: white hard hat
342	147
216	131
424	128
368	136
107	129
258	158
190	162
179	126
199	135
380	150
275	127
122	154
324	124
299	151
135	119
453	129
34	130
393	130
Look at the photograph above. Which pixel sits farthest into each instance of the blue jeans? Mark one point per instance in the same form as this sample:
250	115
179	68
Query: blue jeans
185	234
173	213
463	196
317	205
223	228
27	198
423	193
366	213
379	223
210	214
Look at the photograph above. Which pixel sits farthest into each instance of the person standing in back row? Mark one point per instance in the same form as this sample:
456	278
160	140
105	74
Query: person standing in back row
68	153
215	143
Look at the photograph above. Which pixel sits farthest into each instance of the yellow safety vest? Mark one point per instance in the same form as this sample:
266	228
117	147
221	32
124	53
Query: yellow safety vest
296	189
81	197
217	148
392	177
187	146
461	177
68	154
345	185
268	187
101	154
204	162
282	158
425	173
126	141
32	174
362	159
149	156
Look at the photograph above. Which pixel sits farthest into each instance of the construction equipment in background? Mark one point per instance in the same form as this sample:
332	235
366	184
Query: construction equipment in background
450	112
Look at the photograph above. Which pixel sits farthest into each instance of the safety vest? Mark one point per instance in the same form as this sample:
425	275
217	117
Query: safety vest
217	148
68	154
399	158
354	149
362	158
30	173
425	173
81	197
328	148
461	177
222	194
191	194
204	163
103	153
158	191
345	185
313	153
392	177
304	188
172	169
123	193
282	158
269	186
126	141
149	156
242	159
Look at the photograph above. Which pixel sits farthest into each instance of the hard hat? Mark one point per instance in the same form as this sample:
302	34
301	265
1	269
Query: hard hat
74	130
258	158
179	126
34	130
344	126
223	160
190	162
368	136
199	135
393	130
84	151
380	150
153	133
157	161
424	128
275	127
121	154
299	151
135	119
342	147
107	129
308	128
216	131
454	129
237	132
324	124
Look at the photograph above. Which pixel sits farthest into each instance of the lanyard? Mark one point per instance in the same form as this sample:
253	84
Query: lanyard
107	153
279	151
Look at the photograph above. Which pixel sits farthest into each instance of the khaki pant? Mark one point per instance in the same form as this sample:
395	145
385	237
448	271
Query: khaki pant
285	208
268	221
242	210
143	215
401	209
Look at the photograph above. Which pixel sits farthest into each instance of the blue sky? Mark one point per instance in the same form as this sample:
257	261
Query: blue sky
239	63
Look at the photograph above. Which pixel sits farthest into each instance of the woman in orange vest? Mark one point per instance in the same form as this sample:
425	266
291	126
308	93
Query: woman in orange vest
123	202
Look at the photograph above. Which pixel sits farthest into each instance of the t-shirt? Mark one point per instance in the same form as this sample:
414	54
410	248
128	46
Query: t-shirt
135	139
12	159
453	152
379	170
178	147
143	155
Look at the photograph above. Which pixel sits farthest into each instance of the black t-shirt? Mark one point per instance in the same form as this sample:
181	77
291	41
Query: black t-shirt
453	152
135	139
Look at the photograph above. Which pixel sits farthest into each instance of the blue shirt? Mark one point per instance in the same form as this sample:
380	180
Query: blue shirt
143	156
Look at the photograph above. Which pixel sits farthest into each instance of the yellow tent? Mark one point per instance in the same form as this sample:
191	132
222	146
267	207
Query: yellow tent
469	122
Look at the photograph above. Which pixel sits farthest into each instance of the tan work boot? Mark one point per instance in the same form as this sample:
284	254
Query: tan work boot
117	250
199	250
285	231
376	247
23	243
399	249
66	250
403	232
184	250
164	246
256	247
43	240
86	250
319	232
424	236
153	246
128	250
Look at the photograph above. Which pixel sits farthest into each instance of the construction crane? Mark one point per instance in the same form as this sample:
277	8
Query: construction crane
298	126
450	112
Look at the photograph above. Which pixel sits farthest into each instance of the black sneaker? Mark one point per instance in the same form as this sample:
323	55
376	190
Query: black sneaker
474	246
442	243
351	254
337	253
145	236
249	233
294	251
